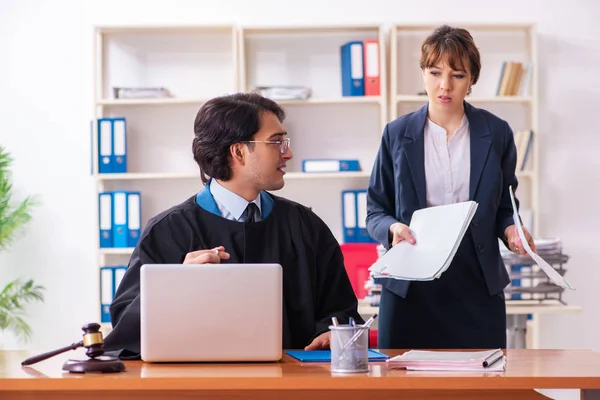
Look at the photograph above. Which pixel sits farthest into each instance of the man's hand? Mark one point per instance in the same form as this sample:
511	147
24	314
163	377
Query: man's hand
321	342
212	256
400	232
514	241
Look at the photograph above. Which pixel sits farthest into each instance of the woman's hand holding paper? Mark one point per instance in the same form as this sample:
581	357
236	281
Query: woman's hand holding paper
400	232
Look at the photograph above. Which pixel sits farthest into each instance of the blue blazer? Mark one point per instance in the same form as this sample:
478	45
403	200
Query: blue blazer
397	186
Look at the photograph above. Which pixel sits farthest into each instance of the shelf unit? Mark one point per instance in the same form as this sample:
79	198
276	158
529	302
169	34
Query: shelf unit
197	63
181	176
150	102
497	43
327	125
194	63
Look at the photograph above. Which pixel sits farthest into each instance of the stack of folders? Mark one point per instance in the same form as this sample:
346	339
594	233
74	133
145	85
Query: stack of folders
354	216
119	218
421	360
360	68
438	232
112	145
110	279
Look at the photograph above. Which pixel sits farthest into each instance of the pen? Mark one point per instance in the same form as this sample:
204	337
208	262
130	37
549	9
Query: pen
370	320
493	358
335	322
357	334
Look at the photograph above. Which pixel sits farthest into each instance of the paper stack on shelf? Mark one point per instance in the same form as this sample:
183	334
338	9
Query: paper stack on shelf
547	247
284	92
141	92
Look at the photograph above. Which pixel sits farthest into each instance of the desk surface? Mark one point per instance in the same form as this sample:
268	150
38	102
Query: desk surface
526	369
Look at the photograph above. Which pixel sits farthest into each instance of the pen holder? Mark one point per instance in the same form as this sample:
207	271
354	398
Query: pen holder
349	348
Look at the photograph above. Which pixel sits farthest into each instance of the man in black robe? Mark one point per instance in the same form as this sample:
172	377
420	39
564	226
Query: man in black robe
241	144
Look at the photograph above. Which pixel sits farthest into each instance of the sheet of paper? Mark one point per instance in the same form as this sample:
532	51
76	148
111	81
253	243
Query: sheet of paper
498	366
547	268
445	356
424	360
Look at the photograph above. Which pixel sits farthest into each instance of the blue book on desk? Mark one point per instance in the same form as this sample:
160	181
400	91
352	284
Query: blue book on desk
325	355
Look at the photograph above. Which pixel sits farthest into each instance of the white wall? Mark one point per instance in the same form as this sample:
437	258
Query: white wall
45	108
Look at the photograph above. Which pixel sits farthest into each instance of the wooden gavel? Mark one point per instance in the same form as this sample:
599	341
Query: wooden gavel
93	341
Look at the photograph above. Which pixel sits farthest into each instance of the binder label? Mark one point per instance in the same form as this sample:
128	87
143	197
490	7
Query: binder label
105	142
356	57
134	211
105	214
120	209
372	67
119	144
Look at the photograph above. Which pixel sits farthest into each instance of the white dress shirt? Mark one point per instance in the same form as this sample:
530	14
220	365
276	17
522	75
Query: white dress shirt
447	165
231	205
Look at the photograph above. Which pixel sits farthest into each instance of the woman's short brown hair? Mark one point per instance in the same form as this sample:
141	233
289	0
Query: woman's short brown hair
455	43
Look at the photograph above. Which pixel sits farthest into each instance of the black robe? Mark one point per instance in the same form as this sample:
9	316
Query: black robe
315	284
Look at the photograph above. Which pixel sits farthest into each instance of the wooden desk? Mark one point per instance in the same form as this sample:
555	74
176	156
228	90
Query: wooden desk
290	379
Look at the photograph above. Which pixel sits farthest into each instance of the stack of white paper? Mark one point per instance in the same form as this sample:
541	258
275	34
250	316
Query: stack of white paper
438	232
420	360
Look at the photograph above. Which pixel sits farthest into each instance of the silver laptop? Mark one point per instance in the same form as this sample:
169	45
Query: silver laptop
211	312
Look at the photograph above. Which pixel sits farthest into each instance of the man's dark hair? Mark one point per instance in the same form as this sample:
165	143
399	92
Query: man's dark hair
223	121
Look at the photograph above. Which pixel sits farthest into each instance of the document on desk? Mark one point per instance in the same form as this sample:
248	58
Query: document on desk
438	232
547	268
325	355
422	360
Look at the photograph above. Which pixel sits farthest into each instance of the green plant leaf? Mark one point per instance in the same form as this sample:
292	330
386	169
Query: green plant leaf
16	295
13	299
12	217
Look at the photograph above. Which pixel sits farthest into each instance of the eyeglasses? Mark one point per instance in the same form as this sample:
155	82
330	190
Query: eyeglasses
284	144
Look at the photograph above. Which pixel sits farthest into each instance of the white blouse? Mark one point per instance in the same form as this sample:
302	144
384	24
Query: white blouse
447	165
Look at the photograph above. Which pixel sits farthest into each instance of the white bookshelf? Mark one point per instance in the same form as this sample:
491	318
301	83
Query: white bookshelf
496	43
195	176
199	63
335	100
150	102
195	63
145	176
307	56
125	251
327	125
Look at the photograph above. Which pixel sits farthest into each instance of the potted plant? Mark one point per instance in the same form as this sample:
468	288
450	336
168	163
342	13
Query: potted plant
15	296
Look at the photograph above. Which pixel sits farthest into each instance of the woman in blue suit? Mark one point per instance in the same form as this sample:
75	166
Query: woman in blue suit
447	152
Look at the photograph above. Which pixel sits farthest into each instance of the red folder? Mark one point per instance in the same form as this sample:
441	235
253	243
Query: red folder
372	67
